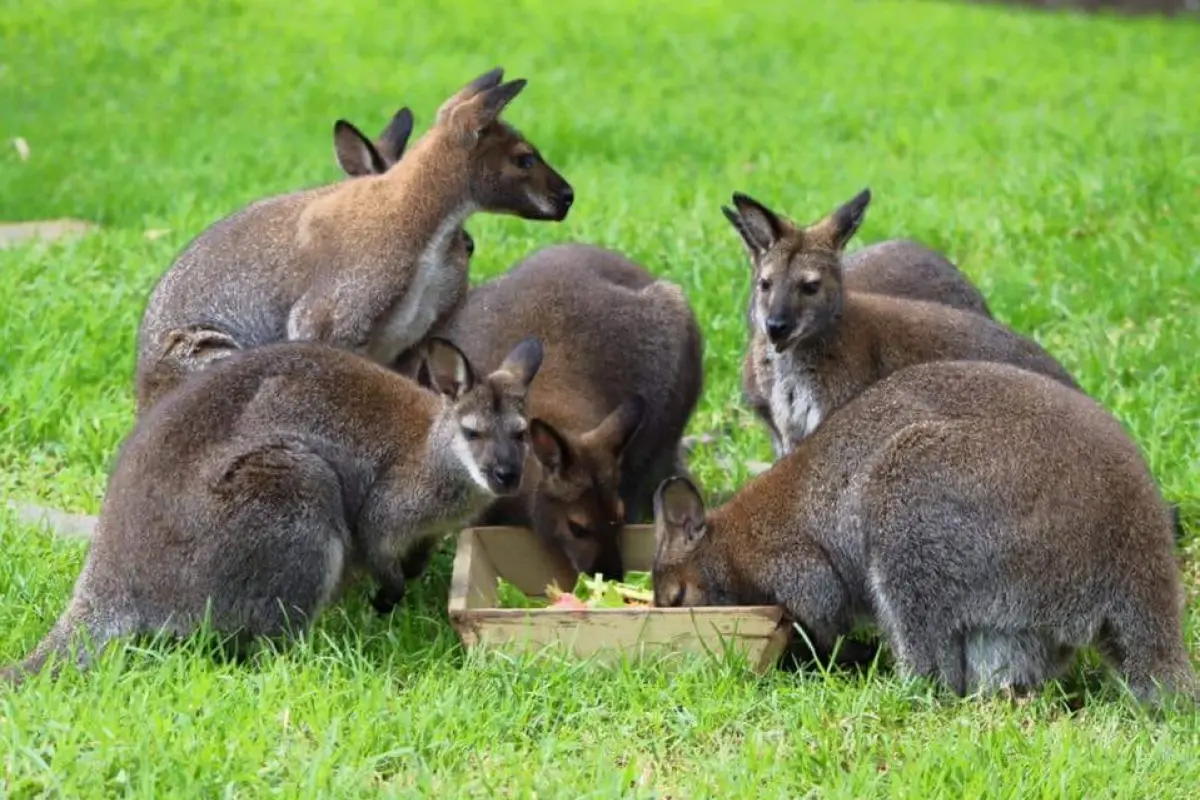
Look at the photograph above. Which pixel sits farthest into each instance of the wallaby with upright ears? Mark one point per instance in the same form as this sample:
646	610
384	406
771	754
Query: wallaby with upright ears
896	267
622	373
261	488
358	156
989	520
359	264
826	344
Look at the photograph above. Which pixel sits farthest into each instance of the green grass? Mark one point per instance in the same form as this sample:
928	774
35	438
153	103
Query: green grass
1054	157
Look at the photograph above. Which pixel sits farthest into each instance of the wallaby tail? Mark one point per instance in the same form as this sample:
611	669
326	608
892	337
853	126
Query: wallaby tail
77	632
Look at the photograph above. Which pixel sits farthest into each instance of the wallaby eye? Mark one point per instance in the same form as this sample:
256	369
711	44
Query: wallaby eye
526	160
578	531
810	287
764	285
470	434
519	436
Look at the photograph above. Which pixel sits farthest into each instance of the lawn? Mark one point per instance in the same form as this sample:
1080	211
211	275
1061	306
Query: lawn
1054	157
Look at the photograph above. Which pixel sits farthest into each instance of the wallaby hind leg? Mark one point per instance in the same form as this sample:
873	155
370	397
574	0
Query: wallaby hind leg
286	549
1146	645
925	641
1007	660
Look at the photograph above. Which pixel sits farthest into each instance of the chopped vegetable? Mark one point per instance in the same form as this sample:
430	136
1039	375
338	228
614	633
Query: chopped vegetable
590	591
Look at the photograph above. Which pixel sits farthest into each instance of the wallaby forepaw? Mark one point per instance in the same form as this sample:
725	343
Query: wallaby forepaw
386	599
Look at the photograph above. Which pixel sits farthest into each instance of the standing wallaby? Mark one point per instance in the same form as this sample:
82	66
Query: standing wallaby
897	268
825	344
622	374
988	519
359	264
358	156
259	489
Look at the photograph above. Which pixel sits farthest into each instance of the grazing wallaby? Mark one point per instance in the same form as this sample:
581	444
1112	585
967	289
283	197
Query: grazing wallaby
359	264
988	519
266	483
622	374
825	344
358	156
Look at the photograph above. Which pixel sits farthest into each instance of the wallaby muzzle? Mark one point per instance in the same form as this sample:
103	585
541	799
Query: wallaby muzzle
504	472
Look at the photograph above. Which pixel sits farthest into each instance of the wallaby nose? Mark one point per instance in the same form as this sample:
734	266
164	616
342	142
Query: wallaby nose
506	477
565	198
777	328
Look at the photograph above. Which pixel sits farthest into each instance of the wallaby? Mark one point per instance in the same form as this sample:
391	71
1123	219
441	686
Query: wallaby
262	487
896	267
622	374
988	519
358	156
825	344
359	264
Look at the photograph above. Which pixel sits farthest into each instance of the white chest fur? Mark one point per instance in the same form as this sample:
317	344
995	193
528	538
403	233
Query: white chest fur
412	315
795	401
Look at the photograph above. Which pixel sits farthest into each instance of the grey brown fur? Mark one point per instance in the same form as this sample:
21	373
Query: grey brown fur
358	264
622	374
817	345
988	519
268	482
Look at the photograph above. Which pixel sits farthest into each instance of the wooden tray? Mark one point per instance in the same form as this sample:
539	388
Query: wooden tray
515	554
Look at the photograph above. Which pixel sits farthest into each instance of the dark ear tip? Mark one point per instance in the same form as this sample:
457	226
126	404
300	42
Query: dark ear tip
341	125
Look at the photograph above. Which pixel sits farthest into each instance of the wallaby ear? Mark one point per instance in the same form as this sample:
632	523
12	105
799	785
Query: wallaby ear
354	152
839	227
487	80
548	445
524	360
678	516
445	369
739	225
759	226
394	138
481	110
616	431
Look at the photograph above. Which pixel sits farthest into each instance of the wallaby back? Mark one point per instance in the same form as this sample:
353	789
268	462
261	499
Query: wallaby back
622	374
989	519
824	343
267	482
360	264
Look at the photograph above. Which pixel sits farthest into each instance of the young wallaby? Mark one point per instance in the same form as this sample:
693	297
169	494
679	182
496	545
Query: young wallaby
266	483
622	374
987	519
359	264
358	156
897	268
825	344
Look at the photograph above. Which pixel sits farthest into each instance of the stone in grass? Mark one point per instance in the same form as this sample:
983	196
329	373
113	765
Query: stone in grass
14	233
62	523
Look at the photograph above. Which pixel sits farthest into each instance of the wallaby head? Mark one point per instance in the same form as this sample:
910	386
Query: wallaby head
798	291
358	156
577	502
491	429
684	573
506	173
